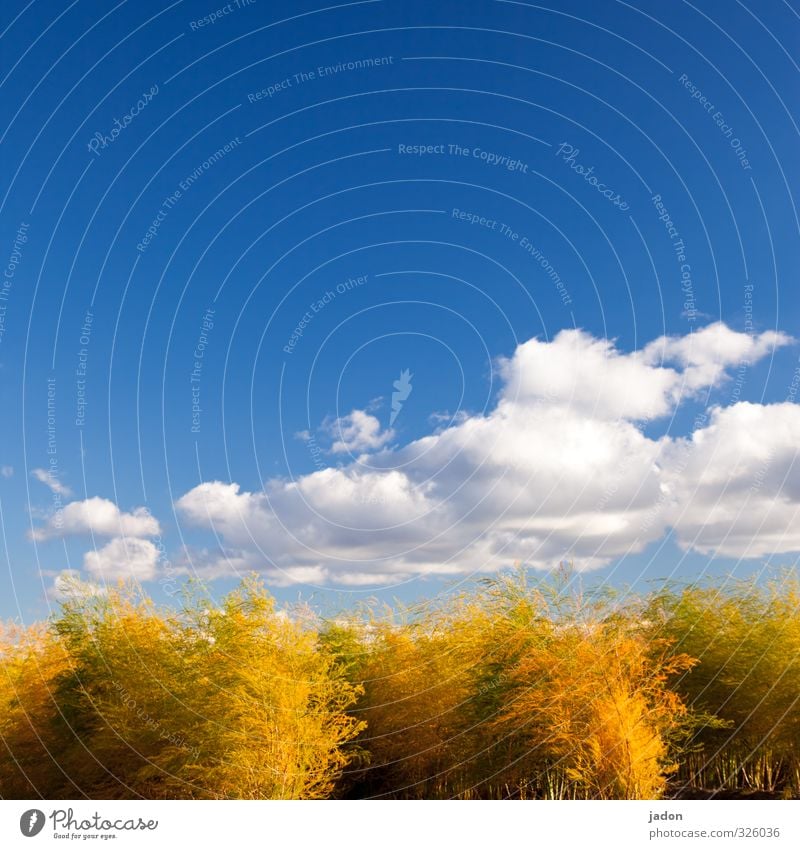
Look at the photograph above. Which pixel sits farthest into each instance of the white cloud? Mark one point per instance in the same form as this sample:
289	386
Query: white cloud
445	418
7	471
51	481
739	495
123	557
98	516
587	375
560	468
356	432
706	354
592	376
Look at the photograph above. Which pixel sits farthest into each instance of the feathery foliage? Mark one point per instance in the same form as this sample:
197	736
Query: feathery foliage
511	688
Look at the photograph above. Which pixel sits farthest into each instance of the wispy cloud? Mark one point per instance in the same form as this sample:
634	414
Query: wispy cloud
52	482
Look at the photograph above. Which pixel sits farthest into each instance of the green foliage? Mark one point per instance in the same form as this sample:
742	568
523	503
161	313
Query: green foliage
746	638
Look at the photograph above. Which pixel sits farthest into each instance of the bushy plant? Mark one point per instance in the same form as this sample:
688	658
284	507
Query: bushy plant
229	701
512	687
746	638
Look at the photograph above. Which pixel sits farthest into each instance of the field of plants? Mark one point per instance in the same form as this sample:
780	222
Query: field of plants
515	688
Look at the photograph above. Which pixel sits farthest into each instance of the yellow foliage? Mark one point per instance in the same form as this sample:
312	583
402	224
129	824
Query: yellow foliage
509	689
235	701
589	700
30	661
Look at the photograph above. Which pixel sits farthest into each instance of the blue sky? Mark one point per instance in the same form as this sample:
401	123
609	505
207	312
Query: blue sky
230	228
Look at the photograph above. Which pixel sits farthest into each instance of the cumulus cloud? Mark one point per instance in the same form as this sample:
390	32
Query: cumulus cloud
559	468
51	481
123	557
7	471
741	497
592	376
356	432
97	516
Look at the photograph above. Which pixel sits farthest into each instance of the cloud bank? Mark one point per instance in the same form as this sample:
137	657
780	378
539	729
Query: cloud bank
559	468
